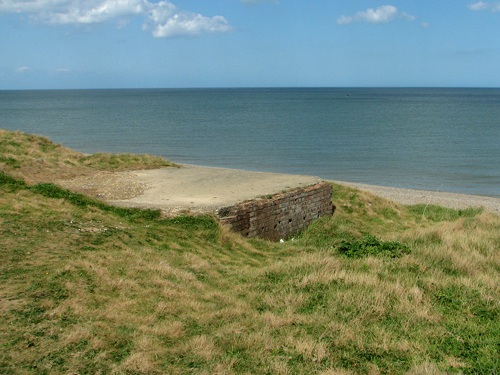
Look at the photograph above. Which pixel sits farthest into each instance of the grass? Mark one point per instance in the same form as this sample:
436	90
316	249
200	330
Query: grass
37	159
369	245
118	162
88	288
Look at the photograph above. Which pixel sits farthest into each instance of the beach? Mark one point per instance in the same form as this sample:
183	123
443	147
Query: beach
205	189
440	198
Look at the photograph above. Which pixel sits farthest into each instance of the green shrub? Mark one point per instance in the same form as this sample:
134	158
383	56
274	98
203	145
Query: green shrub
370	245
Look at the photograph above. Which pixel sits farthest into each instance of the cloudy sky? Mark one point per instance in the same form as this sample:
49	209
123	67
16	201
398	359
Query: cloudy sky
248	43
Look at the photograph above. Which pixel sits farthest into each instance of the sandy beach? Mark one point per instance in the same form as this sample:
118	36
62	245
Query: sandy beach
440	198
205	189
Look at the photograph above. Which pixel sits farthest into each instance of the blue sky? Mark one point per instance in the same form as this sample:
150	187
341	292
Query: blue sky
49	44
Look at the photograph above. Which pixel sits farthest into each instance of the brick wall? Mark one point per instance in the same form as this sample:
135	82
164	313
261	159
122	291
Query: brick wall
280	216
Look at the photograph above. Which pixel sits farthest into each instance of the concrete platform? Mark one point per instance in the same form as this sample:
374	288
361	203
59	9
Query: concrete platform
205	189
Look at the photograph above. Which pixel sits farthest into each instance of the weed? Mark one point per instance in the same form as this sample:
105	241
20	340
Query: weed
370	245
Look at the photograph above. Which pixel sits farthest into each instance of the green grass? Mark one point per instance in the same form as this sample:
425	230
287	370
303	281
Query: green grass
11	182
53	191
436	213
88	288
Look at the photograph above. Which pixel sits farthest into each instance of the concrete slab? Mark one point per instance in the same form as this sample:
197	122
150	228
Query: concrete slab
205	189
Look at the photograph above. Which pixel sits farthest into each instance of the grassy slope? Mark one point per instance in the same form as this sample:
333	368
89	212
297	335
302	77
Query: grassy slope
88	289
37	159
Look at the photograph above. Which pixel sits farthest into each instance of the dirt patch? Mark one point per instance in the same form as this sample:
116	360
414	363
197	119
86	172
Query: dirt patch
106	185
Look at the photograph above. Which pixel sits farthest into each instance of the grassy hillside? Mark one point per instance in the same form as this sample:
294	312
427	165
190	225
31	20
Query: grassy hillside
37	159
377	288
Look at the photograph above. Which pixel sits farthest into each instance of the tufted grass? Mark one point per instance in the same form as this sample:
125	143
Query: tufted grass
37	159
87	289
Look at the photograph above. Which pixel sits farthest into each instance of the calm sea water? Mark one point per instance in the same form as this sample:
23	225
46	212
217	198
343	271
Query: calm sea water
433	139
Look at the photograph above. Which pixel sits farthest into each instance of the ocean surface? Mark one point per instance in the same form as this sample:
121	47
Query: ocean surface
431	139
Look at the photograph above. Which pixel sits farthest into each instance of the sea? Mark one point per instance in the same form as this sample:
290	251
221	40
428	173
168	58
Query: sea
439	139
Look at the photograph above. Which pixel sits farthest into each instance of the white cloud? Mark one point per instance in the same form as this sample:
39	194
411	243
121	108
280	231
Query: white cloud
480	5
187	24
345	20
407	16
23	69
483	5
163	18
166	21
383	14
62	70
89	12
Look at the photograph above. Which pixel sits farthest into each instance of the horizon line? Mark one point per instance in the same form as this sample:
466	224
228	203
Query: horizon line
246	88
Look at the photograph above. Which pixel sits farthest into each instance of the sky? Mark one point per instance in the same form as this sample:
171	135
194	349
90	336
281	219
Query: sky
72	44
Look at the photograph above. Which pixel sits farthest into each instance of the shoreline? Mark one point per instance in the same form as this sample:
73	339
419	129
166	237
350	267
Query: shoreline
441	198
406	196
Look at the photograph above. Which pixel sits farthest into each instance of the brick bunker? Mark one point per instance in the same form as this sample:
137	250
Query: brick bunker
281	215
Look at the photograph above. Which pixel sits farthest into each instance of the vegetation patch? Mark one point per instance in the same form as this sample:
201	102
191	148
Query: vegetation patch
437	213
117	162
370	245
9	181
37	159
10	162
50	190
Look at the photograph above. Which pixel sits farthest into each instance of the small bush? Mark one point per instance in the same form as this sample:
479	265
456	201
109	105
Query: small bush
370	245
